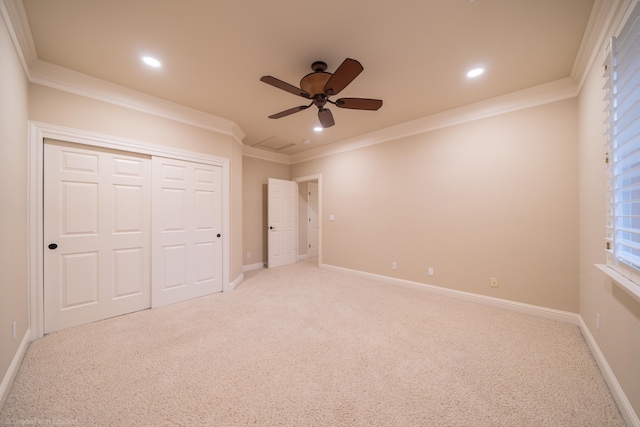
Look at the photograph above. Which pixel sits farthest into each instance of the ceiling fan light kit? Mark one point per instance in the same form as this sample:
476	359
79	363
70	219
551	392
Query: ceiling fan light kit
314	83
319	85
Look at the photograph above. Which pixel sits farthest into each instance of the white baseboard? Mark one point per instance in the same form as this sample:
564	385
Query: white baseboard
7	381
616	389
302	257
250	267
235	283
533	310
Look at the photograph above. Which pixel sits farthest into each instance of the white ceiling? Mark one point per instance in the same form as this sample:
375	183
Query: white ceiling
415	54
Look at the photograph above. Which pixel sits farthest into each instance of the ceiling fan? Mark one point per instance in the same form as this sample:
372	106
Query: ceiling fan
320	85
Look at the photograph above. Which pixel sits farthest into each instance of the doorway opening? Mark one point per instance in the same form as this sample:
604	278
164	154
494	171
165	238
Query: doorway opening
310	215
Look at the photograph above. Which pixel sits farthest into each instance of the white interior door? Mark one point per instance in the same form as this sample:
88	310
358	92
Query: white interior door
283	225
96	234
312	212
187	227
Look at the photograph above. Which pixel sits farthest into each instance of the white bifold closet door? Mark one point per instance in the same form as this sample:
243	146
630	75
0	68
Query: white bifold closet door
187	227
97	225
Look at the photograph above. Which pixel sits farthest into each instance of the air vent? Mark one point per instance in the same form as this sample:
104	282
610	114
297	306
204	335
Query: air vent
274	143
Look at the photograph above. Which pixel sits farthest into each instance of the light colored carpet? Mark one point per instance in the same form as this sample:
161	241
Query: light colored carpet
300	346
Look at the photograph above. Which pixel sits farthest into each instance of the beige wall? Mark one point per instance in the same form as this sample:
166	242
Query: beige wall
255	175
65	109
492	198
13	205
619	334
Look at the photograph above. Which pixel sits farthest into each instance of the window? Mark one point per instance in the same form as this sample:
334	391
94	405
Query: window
622	73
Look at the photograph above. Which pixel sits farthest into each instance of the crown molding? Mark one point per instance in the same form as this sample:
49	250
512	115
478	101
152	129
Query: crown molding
550	92
605	16
620	16
15	19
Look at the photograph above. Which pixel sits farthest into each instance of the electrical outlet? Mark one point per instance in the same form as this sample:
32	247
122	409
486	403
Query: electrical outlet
394	265
431	271
494	282
248	255
13	330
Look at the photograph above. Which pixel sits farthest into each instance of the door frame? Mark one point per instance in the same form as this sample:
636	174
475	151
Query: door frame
318	178
38	132
310	229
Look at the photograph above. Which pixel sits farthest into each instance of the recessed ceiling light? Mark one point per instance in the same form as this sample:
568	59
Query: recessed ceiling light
318	128
475	72
152	62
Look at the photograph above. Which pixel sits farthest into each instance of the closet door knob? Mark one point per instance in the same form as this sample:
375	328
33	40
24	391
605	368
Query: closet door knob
53	246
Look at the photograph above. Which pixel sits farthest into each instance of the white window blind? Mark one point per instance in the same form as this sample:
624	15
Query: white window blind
623	148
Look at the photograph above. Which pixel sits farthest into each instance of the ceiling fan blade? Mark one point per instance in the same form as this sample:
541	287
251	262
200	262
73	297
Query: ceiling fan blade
346	72
289	111
326	118
284	86
359	103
